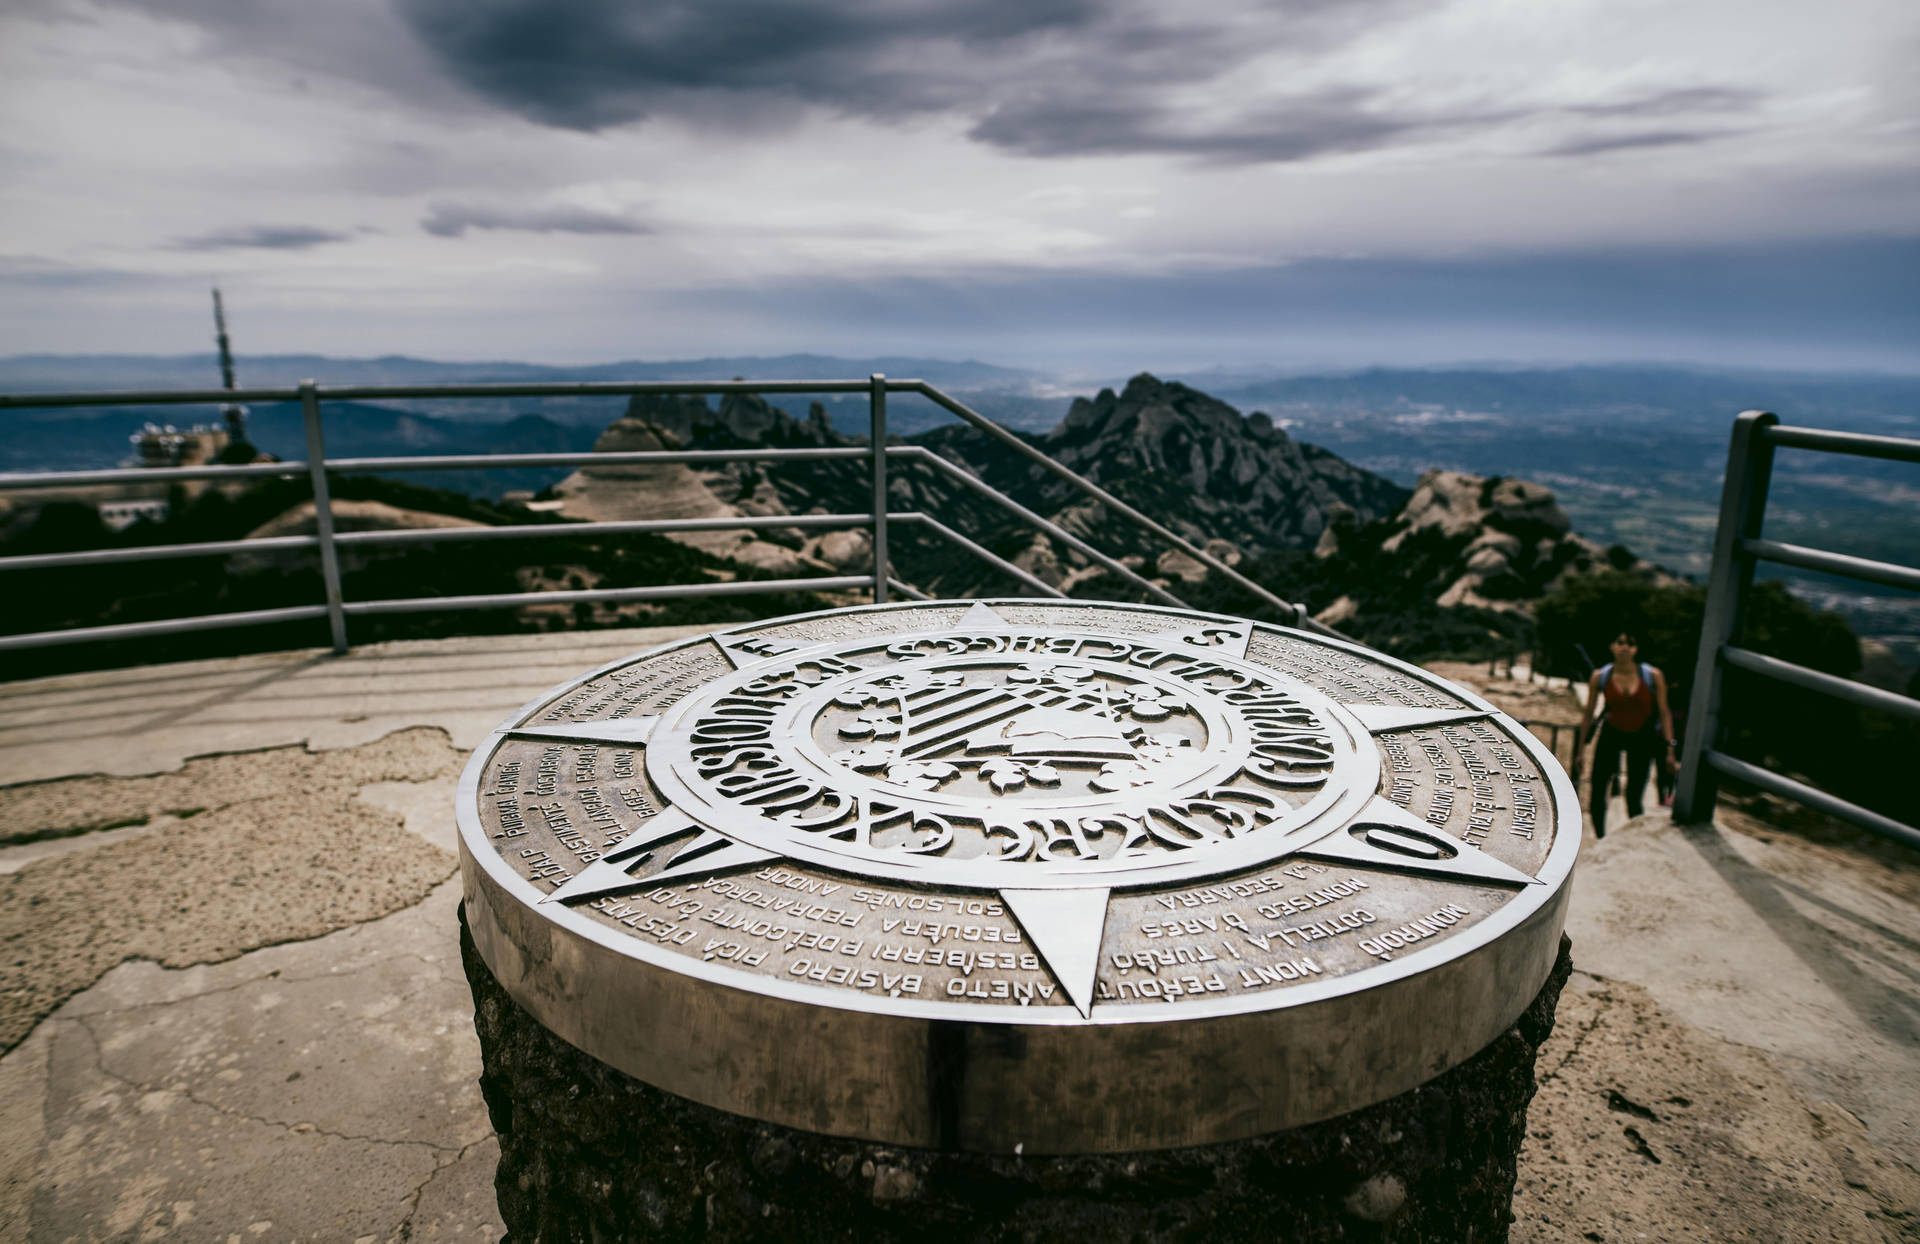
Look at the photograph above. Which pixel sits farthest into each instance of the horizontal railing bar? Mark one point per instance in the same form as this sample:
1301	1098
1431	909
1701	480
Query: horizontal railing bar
351	392
426	535
445	462
158	552
1834	563
601	388
1826	684
147	397
991	558
172	626
678	591
1107	499
646	457
641	526
1050	528
146	475
1860	444
1832	805
910	592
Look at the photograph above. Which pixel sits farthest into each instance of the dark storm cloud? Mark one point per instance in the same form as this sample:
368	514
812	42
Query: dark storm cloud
1671	102
587	64
262	237
29	270
1042	78
1113	123
450	220
1635	142
1039	77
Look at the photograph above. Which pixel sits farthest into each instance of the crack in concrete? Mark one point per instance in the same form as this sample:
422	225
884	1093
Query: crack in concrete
404	1231
100	1065
352	786
276	974
1580	1035
303	746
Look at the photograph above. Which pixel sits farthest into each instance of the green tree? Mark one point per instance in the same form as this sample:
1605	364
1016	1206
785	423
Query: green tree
1587	611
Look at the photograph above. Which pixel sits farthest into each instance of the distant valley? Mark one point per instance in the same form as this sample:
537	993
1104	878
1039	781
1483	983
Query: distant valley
1634	455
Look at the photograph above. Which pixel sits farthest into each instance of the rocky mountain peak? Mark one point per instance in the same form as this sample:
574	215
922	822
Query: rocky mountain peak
1150	409
1175	448
743	419
1454	503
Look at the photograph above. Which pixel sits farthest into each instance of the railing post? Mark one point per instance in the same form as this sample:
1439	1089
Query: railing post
1743	508
323	513
877	408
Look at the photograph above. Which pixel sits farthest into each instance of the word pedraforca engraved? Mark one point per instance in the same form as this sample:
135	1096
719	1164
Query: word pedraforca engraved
1007	748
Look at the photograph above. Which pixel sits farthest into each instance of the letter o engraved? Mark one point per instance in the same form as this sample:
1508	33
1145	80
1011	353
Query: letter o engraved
1414	844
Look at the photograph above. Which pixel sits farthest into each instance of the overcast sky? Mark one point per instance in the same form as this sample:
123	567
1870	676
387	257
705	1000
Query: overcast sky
1073	185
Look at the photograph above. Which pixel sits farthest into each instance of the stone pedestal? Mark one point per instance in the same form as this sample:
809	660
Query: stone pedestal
588	1153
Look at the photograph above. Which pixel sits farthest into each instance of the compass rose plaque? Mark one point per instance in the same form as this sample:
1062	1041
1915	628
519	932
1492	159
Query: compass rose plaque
1018	876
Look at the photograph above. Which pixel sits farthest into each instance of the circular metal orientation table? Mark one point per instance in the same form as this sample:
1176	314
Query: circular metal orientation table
1019	877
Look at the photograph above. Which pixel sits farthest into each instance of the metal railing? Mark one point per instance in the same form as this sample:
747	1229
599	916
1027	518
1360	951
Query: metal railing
328	542
1737	548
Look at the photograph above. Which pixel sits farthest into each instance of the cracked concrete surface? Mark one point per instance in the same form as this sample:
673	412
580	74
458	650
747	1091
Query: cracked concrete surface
236	1010
325	1088
282	850
232	989
321	1088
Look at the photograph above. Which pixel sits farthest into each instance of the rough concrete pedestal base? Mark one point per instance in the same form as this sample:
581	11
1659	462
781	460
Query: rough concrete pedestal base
588	1153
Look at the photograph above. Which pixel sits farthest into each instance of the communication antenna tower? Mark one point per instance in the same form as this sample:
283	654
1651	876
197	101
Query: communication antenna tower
233	413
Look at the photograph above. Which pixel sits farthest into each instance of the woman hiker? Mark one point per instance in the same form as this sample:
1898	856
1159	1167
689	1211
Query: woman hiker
1624	696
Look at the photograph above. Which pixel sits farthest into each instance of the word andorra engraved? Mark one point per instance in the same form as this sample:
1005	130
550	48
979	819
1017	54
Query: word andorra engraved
1015	812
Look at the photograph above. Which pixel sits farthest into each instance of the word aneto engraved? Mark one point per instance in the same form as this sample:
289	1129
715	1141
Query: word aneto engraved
1010	747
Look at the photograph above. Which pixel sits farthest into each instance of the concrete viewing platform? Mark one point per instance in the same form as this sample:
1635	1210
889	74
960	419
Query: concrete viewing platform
233	1005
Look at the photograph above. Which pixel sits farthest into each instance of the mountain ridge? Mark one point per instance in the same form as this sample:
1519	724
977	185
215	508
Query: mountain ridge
1212	474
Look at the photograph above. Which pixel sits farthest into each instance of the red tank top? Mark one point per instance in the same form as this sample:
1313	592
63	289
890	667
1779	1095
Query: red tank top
1628	711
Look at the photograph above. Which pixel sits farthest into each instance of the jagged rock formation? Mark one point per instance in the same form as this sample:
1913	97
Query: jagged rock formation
1500	543
1515	541
661	491
1235	484
1197	463
743	419
1484	549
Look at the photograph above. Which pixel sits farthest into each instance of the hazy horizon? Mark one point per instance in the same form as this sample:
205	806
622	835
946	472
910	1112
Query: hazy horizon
1042	379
